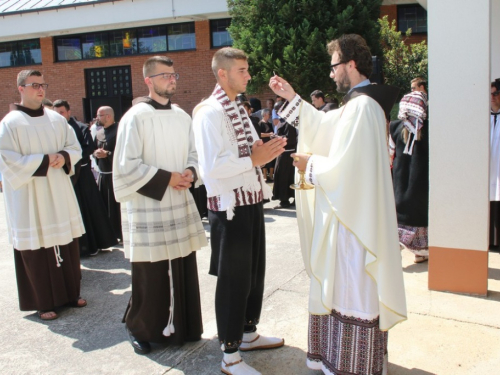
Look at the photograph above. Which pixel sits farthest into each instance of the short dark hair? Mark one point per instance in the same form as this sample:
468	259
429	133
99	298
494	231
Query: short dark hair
256	105
353	47
318	94
61	103
247	105
420	82
496	84
150	64
223	59
23	74
47	103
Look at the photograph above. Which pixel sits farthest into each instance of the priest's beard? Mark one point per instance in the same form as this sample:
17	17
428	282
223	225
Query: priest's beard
166	93
343	84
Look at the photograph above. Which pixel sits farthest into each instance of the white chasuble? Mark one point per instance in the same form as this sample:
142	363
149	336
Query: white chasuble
149	140
350	164
41	211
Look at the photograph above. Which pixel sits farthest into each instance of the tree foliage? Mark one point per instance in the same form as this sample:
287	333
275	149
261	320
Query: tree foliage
401	62
290	37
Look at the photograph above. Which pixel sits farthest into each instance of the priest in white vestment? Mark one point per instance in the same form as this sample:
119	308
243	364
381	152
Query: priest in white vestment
38	152
348	227
155	163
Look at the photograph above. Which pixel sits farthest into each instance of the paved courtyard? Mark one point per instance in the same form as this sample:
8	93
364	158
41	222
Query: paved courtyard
445	333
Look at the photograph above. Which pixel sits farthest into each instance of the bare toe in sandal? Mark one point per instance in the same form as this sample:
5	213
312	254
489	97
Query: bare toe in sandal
47	315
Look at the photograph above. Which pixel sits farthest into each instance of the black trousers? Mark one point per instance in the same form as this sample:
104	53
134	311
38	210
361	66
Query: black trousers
494	224
239	262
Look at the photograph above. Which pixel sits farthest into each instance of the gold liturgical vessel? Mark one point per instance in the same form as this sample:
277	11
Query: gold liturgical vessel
302	184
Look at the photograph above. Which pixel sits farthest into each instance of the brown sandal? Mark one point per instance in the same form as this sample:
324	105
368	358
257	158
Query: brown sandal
420	259
43	315
80	302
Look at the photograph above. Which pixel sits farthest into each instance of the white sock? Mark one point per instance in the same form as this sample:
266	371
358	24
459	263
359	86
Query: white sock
232	357
250	336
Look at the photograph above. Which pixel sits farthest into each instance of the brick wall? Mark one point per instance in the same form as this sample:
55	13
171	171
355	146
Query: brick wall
67	79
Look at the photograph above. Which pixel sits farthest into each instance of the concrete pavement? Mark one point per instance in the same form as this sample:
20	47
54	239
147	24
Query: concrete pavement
445	333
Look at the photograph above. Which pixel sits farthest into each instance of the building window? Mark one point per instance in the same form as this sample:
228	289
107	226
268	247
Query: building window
69	48
126	42
95	45
219	33
181	36
152	39
122	43
412	17
24	52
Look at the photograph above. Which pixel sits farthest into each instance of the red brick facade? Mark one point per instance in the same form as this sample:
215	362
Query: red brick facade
67	79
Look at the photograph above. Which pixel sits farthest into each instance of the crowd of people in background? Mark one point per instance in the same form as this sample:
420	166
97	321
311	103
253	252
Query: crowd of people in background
73	189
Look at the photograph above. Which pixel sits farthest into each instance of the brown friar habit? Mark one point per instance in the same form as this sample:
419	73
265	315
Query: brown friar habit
99	233
42	285
147	313
43	281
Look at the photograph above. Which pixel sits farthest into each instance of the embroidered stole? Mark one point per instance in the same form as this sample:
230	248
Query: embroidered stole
241	129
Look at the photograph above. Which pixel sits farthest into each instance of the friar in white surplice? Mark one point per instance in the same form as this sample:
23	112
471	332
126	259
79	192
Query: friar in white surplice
348	227
155	164
38	152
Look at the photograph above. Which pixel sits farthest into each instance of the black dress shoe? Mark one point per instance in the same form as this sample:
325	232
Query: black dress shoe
140	347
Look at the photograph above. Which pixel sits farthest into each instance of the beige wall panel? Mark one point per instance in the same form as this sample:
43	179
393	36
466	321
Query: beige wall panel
459	77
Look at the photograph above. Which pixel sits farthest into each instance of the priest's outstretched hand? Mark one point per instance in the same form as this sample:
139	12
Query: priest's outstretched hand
281	87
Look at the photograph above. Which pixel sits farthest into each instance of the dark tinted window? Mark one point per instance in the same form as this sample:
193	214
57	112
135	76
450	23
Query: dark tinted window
181	36
24	52
151	39
412	17
219	34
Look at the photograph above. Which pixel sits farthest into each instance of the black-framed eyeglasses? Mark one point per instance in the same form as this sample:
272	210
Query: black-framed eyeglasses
167	76
332	67
495	93
36	86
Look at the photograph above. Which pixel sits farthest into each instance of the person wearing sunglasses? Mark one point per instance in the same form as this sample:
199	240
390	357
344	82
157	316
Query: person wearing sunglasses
38	152
495	166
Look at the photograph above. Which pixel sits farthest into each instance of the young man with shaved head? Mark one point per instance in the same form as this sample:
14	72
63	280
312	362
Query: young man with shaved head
231	154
